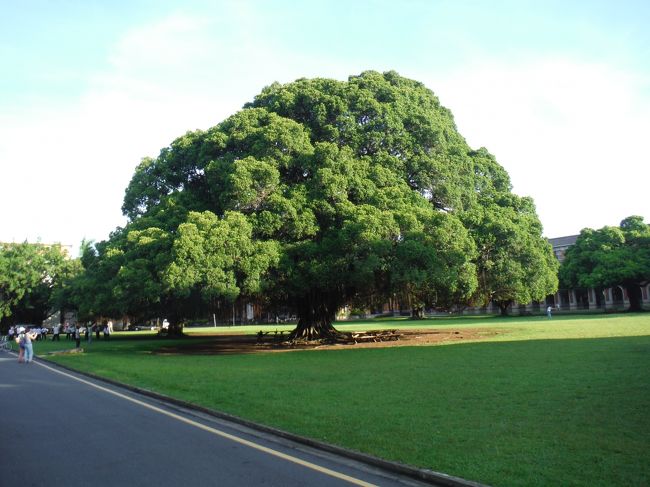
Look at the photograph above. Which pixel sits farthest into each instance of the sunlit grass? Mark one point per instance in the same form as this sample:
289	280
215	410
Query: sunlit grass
512	328
544	402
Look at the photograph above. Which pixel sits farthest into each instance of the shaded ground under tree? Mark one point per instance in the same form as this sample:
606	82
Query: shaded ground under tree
242	344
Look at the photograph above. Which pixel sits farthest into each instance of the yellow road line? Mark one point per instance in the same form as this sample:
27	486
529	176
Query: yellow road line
214	431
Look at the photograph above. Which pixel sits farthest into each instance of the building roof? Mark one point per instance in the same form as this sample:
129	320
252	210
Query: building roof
563	241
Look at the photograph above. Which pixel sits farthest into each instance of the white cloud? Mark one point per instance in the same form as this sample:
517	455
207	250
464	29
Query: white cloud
570	134
69	165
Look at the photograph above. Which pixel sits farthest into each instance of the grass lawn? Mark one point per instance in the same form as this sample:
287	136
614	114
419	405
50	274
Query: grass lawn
545	402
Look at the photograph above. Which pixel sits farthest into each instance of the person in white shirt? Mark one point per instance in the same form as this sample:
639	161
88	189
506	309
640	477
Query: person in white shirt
56	331
76	333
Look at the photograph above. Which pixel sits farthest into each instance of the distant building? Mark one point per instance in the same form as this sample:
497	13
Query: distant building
579	299
614	298
561	244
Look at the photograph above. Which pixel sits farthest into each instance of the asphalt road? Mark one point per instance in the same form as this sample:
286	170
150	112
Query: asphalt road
59	429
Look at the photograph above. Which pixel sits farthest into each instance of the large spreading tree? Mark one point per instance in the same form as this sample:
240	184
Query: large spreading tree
610	256
317	194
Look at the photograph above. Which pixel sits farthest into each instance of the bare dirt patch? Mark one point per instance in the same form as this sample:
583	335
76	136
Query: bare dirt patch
243	344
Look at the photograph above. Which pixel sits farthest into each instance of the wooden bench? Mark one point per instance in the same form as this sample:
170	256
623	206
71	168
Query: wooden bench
363	336
374	336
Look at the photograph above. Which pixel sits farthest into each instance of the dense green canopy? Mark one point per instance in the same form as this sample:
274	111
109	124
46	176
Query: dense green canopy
610	256
32	280
514	263
320	193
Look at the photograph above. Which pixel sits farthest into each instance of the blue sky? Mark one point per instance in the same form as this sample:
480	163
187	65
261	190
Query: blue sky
558	91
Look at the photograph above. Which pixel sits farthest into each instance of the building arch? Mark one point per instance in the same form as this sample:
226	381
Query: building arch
618	296
582	298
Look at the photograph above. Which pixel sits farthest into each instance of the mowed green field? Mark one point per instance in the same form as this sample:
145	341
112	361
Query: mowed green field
543	402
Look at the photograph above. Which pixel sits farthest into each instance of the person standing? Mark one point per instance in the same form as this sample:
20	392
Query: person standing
76	333
56	331
549	312
29	350
108	329
20	340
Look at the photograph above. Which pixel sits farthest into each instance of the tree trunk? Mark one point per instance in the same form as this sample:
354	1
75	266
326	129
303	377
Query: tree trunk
634	295
503	306
175	329
600	297
315	317
417	313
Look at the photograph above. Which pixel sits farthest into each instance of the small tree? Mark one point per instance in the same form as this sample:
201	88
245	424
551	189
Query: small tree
610	256
29	275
